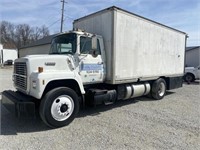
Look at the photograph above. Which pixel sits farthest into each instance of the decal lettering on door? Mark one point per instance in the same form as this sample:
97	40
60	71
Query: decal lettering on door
92	68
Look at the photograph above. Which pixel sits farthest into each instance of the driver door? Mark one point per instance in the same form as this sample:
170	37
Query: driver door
91	66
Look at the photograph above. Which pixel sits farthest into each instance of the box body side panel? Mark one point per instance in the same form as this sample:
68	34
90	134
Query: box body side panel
136	48
145	49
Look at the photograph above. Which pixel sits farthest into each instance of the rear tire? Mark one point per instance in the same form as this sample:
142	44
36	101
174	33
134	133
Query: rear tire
59	107
189	77
158	90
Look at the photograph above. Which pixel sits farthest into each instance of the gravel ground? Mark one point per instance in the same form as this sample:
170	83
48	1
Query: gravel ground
140	123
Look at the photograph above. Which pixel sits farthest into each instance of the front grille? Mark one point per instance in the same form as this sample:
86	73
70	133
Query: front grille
20	75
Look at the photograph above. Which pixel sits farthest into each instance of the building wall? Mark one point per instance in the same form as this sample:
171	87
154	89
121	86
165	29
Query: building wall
41	49
192	57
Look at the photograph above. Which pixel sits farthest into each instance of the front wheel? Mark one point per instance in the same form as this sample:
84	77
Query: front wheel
158	89
59	107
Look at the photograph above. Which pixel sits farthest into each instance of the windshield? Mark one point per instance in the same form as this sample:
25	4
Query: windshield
64	44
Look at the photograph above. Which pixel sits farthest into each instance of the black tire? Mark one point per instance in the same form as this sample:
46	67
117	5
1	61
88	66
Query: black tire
189	77
158	89
52	101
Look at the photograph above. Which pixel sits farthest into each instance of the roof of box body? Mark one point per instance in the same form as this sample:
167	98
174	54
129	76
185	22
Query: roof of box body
192	48
117	8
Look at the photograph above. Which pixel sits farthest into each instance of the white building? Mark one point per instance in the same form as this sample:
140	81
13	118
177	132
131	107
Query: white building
192	56
7	56
41	46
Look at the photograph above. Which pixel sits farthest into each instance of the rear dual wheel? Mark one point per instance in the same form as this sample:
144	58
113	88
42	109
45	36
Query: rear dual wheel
59	107
158	89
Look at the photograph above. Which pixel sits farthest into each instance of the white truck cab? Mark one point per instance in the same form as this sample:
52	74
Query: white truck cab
67	60
192	73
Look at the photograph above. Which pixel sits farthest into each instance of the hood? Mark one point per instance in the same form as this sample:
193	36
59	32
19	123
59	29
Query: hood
48	62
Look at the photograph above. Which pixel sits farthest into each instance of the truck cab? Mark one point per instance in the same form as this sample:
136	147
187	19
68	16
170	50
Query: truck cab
71	58
76	59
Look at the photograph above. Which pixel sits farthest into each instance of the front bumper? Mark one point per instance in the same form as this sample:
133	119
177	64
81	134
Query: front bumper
19	104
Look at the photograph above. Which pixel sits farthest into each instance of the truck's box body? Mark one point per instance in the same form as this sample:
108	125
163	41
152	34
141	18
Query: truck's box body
7	55
136	47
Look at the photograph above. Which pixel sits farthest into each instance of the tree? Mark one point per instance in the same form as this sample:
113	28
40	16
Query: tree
16	36
40	32
7	34
44	31
23	34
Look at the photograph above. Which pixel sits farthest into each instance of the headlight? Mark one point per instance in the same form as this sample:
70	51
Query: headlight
40	69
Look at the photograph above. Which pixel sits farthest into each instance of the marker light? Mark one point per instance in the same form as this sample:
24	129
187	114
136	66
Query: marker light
40	69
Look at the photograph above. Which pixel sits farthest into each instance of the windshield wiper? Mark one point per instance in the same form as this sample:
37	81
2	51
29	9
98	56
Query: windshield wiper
55	53
63	53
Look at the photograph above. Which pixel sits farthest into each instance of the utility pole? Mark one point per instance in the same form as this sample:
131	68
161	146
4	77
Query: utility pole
62	15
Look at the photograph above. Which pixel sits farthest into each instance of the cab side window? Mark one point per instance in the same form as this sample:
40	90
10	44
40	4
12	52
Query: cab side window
86	45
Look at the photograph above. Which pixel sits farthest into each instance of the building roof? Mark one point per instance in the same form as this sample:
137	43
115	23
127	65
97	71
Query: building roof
43	41
192	47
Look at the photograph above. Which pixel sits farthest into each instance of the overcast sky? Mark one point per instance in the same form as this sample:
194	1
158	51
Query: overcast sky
183	15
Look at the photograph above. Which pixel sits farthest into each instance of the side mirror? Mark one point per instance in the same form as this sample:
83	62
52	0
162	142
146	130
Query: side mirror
94	43
93	53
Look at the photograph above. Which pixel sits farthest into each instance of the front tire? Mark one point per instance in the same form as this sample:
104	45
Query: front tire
59	107
158	90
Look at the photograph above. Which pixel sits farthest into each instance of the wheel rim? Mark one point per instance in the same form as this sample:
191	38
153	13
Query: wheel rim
62	107
161	89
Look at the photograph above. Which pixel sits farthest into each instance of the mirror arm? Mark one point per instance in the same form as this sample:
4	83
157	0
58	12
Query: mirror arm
94	42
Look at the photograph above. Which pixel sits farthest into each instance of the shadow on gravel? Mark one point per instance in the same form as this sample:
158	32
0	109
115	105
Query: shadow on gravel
197	82
93	111
169	93
10	125
96	110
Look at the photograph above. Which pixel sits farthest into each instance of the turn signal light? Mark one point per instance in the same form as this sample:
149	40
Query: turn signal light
40	69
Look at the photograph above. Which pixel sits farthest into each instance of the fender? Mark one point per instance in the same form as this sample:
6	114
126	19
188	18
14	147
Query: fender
191	70
39	81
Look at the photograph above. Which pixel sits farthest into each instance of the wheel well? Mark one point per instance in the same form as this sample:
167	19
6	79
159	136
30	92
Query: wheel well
70	83
190	74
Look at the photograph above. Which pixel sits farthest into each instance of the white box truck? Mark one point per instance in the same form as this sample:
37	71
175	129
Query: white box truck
7	56
110	55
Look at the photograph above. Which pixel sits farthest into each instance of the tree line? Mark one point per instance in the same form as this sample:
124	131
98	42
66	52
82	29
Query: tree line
16	36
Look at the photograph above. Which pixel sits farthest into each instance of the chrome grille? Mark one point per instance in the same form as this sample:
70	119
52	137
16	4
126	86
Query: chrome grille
20	75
